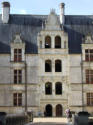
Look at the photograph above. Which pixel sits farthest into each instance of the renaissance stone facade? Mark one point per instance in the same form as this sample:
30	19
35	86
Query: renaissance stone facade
46	63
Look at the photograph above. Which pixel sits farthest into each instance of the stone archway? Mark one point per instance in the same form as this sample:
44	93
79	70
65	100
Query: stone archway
58	110
48	110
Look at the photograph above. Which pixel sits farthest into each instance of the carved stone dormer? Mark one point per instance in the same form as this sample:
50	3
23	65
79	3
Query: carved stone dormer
89	39
52	23
17	48
17	39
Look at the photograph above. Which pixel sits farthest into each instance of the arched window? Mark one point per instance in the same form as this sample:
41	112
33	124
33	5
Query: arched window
58	88
48	66
48	88
59	110
58	67
47	42
57	42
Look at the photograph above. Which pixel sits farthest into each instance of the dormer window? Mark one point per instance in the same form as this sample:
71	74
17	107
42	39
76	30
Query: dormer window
17	55
89	55
17	49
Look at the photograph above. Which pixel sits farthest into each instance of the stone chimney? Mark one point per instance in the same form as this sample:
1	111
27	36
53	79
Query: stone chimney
62	12
5	12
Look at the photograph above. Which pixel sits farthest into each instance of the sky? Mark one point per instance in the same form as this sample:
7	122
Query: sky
43	7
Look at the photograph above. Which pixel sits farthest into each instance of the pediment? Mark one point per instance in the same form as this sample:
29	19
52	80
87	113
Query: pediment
17	39
89	39
52	23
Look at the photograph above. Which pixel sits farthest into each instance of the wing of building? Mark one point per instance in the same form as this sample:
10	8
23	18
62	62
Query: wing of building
46	62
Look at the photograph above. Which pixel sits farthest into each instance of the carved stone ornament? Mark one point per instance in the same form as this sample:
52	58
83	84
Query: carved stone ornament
88	39
52	22
17	39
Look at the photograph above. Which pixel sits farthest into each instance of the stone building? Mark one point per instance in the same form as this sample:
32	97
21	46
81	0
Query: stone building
46	62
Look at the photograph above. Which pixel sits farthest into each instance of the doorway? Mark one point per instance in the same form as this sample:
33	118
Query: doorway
48	110
58	110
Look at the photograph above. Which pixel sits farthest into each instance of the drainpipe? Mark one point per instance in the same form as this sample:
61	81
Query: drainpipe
26	108
82	82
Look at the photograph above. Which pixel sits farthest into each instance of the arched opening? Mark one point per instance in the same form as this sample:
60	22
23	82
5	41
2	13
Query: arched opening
58	66
47	42
48	110
59	110
58	88
48	88
48	66
57	42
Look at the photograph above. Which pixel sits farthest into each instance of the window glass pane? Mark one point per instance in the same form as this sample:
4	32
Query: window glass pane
57	42
20	99
15	99
58	66
19	95
47	42
19	51
17	55
19	71
48	66
48	88
89	99
15	50
15	71
15	95
86	51
58	88
91	51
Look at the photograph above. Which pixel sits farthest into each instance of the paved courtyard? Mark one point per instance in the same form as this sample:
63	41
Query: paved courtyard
50	121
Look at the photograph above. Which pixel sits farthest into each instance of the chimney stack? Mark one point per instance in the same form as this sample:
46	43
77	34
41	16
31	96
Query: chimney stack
5	12
62	13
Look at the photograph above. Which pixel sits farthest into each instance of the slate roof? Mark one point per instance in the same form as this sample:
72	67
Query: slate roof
29	26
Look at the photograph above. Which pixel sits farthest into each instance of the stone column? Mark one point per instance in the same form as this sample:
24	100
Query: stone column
62	42
53	66
43	42
53	88
52	42
54	111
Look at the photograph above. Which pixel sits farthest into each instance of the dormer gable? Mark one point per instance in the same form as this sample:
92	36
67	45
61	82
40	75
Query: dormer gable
89	39
52	22
17	49
17	39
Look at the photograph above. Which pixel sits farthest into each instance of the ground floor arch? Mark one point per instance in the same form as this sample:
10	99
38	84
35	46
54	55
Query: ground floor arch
48	110
59	110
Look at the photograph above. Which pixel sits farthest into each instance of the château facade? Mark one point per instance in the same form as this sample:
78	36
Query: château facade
46	62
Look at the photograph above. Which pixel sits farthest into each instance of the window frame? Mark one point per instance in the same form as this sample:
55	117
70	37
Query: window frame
17	55
57	42
56	88
50	91
48	43
17	99
49	64
17	76
89	55
89	99
89	76
56	65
